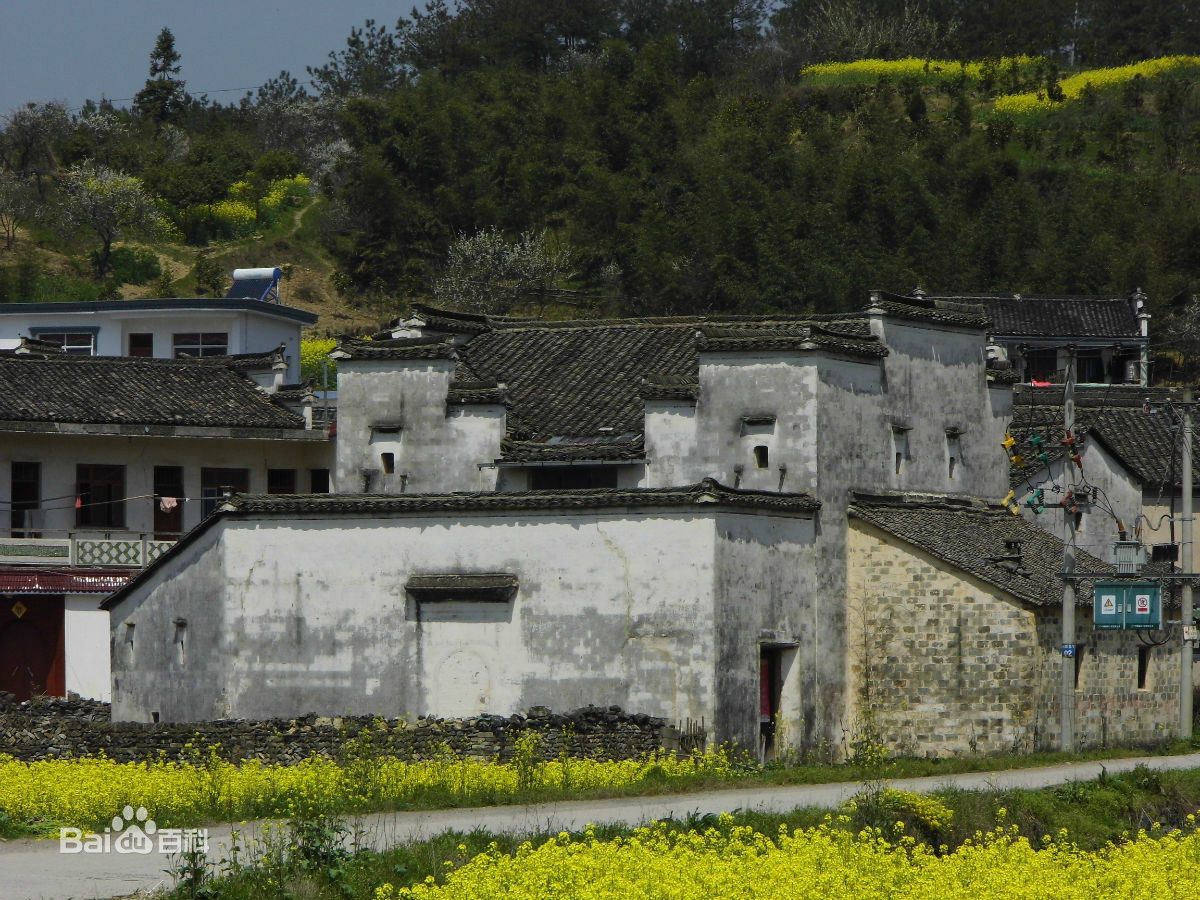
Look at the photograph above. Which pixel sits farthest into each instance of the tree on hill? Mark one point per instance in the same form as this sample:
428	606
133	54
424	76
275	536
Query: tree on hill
29	139
107	206
163	98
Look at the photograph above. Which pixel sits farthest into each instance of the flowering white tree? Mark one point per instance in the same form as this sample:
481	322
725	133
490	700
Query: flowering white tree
485	273
108	205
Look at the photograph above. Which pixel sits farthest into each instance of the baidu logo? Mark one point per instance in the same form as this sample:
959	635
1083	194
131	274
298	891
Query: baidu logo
133	831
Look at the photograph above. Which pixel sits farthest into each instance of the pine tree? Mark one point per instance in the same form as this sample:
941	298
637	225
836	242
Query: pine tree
163	98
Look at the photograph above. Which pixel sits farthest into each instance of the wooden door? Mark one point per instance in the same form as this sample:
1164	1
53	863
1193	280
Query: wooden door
31	646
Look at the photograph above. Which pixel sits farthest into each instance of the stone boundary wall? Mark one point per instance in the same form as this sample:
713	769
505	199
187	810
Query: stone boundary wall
56	728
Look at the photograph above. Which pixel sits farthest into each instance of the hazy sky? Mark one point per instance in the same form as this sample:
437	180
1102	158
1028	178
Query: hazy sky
73	50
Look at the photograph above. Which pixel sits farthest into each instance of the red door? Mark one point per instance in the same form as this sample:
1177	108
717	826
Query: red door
31	646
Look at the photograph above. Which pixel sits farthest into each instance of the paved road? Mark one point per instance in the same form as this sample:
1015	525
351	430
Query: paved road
36	870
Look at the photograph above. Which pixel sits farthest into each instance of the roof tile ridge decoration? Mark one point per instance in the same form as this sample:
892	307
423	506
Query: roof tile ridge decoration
921	307
798	336
600	449
663	386
394	348
473	390
707	491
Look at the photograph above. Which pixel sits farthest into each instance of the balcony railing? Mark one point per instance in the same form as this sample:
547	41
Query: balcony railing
133	551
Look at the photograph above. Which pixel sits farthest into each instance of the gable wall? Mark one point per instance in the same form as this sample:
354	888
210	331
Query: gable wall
435	451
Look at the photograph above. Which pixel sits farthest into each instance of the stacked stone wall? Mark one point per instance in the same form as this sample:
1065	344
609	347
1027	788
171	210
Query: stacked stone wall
53	728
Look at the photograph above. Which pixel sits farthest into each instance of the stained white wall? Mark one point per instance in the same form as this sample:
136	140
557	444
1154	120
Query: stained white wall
85	647
286	617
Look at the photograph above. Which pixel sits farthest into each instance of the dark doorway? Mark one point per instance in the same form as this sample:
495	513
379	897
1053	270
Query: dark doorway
770	683
168	502
31	657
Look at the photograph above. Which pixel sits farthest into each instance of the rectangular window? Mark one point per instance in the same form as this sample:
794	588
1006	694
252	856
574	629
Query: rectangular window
1090	368
75	343
1041	365
281	481
216	484
1143	668
551	478
26	493
194	343
319	481
100	496
168	502
141	345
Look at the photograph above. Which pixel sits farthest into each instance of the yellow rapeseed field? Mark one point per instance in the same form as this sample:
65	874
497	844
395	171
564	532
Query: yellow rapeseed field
930	71
86	792
1019	105
823	863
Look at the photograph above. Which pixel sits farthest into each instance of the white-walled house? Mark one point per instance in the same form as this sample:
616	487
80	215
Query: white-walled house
683	516
106	462
161	328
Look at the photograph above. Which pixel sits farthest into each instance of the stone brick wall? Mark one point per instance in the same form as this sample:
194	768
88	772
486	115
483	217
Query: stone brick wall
49	728
1110	707
942	663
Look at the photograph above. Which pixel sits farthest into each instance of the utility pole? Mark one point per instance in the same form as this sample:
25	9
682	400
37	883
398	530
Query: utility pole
1067	694
1185	650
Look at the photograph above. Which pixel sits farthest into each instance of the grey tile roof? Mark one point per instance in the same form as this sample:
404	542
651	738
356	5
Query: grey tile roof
97	390
1047	315
573	385
971	535
247	362
1146	443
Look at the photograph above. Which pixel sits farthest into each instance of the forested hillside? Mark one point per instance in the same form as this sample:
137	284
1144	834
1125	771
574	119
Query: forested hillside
642	157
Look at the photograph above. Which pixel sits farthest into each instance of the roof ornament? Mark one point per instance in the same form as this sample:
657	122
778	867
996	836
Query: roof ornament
918	292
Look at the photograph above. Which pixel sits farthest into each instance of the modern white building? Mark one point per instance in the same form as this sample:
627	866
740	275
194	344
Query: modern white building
161	329
106	462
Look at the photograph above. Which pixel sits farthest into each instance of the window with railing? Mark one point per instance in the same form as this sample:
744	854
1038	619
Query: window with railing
100	496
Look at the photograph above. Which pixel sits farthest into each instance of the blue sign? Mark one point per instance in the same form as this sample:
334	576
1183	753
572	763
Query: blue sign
1069	651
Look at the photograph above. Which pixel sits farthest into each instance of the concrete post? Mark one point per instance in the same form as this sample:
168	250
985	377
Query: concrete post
1067	693
1185	652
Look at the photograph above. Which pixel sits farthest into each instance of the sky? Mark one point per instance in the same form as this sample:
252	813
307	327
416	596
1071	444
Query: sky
73	50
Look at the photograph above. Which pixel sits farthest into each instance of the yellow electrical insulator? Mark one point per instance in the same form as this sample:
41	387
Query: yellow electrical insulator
1008	498
1009	441
1017	459
1015	509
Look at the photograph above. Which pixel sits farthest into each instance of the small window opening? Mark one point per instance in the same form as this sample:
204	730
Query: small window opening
953	463
953	450
1143	667
154	717
761	460
900	442
1079	654
388	461
129	639
180	635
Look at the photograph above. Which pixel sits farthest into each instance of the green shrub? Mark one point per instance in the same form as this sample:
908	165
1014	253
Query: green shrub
130	266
